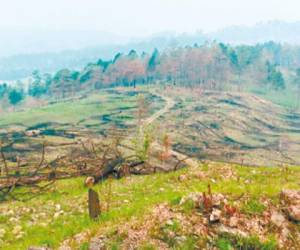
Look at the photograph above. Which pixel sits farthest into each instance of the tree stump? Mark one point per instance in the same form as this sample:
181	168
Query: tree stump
94	205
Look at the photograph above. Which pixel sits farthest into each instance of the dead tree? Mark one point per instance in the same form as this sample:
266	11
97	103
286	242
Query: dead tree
96	159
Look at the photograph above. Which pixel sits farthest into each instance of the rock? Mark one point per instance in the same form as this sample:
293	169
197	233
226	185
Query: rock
223	229
97	243
290	196
57	207
217	200
215	215
89	182
56	215
290	199
233	222
81	237
196	198
277	219
294	212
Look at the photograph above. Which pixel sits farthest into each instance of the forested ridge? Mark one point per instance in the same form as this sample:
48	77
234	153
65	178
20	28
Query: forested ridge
214	66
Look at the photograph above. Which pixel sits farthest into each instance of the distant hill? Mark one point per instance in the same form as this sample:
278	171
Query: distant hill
20	66
277	31
19	42
49	52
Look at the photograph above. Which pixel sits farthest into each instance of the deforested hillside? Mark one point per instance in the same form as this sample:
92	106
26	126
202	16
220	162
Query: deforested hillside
218	125
233	127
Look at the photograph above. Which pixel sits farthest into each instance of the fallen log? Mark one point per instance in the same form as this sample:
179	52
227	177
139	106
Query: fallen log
108	169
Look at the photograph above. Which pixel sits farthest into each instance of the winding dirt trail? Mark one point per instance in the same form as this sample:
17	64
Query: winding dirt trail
169	104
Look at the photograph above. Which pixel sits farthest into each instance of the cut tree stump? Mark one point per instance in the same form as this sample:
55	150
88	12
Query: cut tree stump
94	205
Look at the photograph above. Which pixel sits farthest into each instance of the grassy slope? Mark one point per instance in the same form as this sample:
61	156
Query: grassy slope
132	196
287	98
104	102
66	112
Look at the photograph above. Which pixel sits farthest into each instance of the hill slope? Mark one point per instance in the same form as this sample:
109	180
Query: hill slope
144	211
235	127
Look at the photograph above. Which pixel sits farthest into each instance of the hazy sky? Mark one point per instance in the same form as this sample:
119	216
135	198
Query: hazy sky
141	17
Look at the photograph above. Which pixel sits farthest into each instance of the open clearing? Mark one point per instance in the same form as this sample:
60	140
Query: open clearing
237	127
241	128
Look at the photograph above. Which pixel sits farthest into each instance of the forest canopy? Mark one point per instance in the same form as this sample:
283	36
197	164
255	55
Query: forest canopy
213	66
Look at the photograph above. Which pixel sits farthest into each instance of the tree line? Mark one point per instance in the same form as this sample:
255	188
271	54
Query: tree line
213	66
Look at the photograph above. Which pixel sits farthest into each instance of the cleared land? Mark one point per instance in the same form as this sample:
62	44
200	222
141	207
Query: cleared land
60	123
233	127
146	211
237	127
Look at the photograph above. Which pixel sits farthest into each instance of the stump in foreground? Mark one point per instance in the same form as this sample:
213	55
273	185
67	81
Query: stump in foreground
94	205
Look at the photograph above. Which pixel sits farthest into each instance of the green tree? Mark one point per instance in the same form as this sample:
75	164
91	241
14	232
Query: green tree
230	54
275	77
37	88
133	54
154	60
277	80
142	143
3	89
15	96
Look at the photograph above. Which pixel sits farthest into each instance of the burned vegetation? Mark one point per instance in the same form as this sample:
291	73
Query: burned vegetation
44	153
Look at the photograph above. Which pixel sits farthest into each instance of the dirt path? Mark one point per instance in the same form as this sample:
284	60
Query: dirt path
169	104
